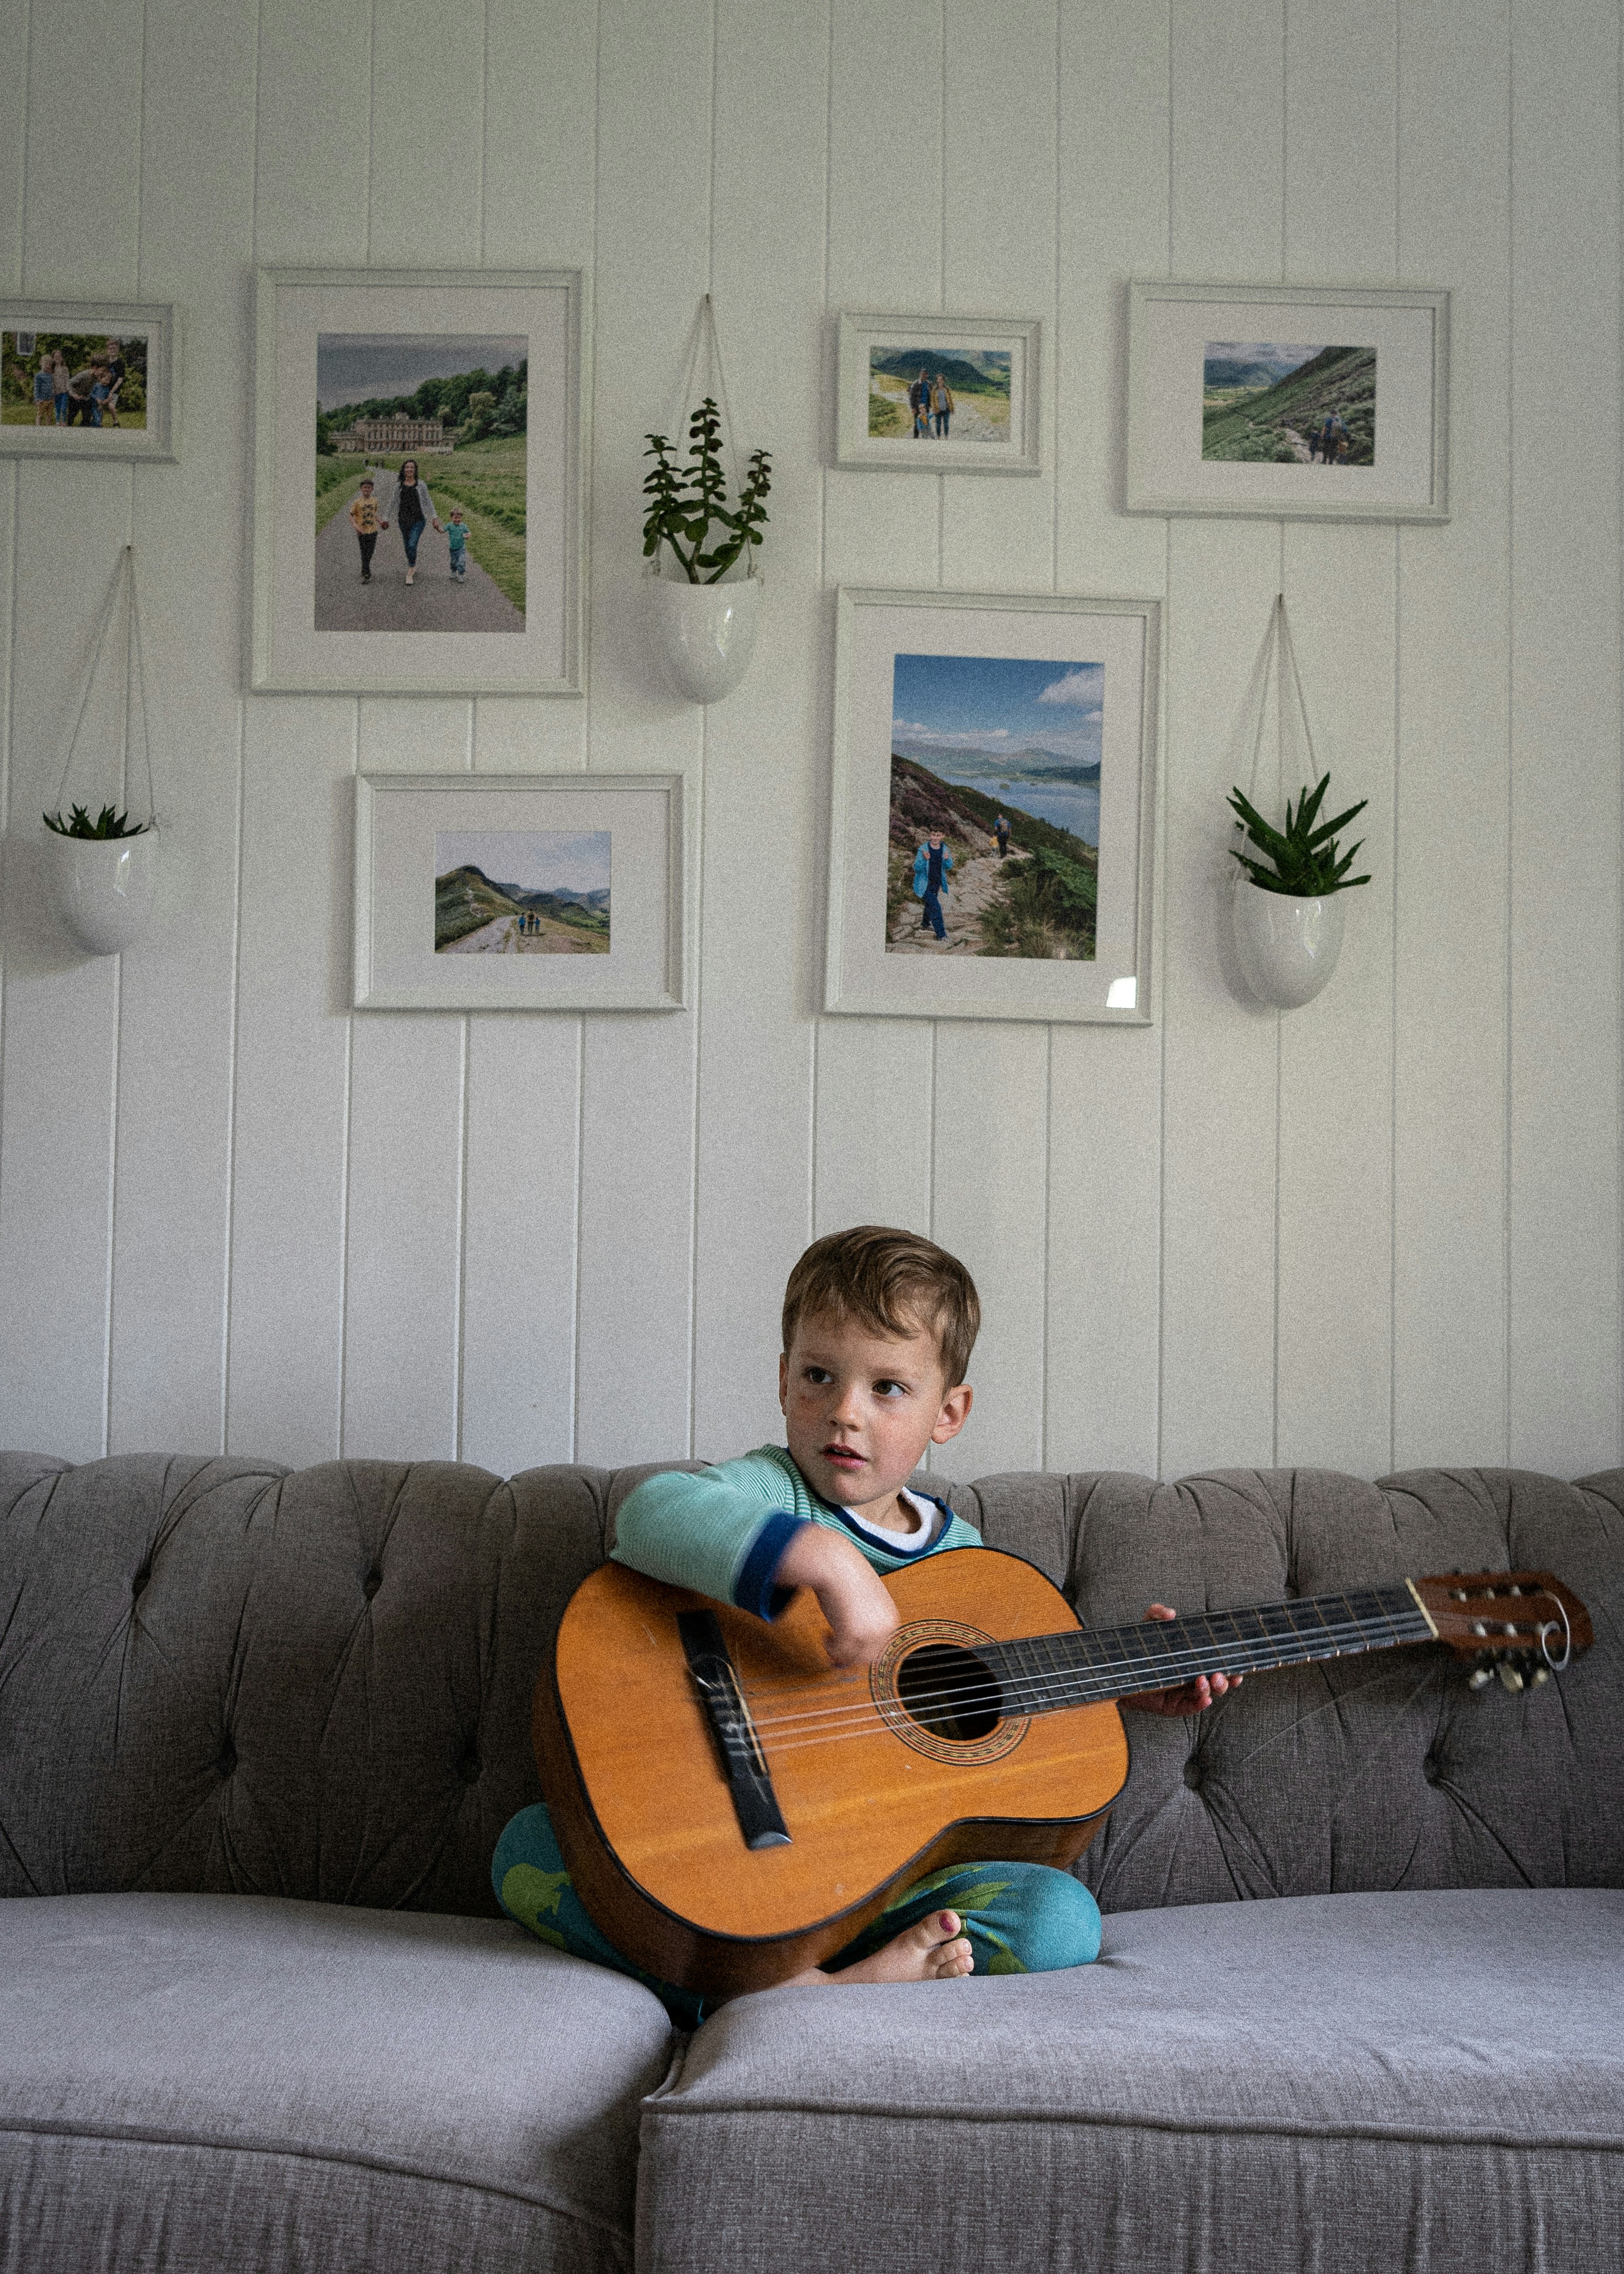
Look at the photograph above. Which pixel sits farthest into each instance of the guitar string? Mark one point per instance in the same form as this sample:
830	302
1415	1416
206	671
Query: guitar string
1074	1686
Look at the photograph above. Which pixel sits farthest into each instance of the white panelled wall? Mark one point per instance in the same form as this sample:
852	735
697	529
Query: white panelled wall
1379	1231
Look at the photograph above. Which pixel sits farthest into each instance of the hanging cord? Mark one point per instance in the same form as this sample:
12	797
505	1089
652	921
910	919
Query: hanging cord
133	650
705	334
1279	649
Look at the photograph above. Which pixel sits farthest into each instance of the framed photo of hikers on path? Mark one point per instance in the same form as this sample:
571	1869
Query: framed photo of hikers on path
420	469
992	836
1306	401
940	393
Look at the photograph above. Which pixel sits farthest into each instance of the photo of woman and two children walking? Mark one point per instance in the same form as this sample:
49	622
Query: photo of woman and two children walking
71	378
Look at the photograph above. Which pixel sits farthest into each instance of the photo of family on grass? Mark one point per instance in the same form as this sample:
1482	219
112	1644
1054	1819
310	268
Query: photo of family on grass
72	378
933	396
994	808
420	483
521	891
1271	405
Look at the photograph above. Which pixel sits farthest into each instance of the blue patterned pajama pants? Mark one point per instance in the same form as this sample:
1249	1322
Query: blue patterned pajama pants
1021	1918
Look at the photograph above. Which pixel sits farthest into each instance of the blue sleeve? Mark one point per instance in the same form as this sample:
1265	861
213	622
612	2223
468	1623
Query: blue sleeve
722	1531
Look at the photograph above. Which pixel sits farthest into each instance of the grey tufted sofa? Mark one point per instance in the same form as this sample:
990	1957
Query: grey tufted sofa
258	1732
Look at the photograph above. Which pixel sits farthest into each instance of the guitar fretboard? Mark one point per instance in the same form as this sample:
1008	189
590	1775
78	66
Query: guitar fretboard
1040	1674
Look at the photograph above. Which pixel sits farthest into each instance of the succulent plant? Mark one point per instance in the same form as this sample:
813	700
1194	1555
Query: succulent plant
1305	858
108	823
684	500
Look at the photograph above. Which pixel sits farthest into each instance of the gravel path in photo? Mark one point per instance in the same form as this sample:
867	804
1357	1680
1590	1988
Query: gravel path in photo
502	937
435	603
971	887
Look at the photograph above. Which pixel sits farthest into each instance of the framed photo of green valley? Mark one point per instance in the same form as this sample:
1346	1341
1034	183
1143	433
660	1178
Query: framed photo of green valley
420	469
939	394
520	891
1294	402
992	839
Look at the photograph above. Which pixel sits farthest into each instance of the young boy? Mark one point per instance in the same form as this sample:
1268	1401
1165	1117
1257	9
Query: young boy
364	521
878	1328
456	538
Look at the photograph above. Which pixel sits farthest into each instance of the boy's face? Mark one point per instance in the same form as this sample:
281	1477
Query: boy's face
861	1408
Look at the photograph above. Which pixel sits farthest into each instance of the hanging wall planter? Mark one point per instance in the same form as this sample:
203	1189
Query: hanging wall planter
100	874
701	593
1286	912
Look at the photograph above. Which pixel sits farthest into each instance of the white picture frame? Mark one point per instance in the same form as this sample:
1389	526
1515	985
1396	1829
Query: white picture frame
155	324
1009	352
967	667
515	623
1374	360
417	924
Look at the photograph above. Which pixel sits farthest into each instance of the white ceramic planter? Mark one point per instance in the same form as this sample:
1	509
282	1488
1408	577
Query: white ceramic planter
101	888
705	633
1287	947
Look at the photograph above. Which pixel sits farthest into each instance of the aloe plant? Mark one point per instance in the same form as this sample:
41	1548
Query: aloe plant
108	823
684	500
1305	857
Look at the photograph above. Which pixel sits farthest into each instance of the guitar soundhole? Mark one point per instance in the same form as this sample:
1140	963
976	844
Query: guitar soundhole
950	1693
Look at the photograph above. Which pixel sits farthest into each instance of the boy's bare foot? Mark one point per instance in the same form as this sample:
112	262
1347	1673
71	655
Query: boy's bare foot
933	1951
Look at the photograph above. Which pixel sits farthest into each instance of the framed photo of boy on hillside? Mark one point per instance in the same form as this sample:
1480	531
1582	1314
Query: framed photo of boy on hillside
940	394
992	836
419	471
1294	402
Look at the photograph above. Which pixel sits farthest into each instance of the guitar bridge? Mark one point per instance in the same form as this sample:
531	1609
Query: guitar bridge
744	1765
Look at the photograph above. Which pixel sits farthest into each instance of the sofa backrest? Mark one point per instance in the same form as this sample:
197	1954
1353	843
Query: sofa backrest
217	1676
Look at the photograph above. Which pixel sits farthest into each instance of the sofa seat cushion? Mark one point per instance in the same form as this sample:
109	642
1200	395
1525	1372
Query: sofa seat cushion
212	2080
1360	2081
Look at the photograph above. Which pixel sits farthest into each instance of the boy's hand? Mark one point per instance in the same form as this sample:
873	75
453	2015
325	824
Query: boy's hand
853	1598
1187	1696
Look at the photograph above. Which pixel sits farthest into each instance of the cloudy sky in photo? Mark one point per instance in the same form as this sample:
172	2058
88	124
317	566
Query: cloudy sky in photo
538	860
997	702
353	366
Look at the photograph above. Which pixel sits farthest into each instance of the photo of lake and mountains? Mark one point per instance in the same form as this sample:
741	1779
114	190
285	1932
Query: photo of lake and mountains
521	891
1267	403
453	411
958	396
994	808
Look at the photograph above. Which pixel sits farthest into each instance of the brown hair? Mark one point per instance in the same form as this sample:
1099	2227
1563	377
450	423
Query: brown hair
893	1282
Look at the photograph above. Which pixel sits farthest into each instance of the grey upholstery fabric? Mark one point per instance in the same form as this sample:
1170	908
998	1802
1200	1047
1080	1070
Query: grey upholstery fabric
206	2081
1359	2083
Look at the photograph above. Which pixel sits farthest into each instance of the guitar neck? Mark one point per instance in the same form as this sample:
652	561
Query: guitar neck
1042	1674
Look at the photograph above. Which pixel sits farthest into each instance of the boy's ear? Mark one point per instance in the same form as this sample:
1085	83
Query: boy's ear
955	1412
783	1380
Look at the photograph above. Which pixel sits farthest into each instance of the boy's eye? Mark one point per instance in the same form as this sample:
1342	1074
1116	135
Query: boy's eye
890	1388
818	1374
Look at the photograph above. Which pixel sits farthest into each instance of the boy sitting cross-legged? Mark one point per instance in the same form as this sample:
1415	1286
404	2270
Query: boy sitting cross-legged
878	1328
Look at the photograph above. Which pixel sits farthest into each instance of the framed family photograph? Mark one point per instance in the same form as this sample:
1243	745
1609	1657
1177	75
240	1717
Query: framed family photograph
88	379
1321	403
420	467
939	394
992	841
520	892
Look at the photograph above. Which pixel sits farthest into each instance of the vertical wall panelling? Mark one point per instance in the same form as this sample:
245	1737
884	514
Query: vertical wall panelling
634	1357
1564	977
1381	1231
1220	1100
1334	1394
1451	848
177	997
763	833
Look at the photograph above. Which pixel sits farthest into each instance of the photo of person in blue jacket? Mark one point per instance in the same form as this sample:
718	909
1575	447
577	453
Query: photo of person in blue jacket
931	865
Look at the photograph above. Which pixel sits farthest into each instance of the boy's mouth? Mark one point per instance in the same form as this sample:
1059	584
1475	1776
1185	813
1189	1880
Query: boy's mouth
843	1457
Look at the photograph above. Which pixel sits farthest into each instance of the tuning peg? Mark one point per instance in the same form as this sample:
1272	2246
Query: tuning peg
1510	1674
1541	1673
1480	1677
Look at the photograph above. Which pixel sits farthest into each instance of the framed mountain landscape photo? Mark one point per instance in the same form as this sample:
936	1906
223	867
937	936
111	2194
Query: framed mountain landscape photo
992	838
520	891
1306	401
420	456
939	394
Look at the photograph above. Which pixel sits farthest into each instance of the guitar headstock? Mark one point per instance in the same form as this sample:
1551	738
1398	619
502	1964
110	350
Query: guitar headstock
1523	1625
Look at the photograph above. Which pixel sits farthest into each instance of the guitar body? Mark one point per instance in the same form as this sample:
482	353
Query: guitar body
873	1791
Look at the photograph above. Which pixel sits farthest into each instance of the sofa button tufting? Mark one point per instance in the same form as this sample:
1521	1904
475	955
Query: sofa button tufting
226	1759
470	1768
1433	1769
140	1580
1195	1776
371	1583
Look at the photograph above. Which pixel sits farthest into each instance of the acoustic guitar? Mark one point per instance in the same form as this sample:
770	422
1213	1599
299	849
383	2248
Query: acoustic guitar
732	1810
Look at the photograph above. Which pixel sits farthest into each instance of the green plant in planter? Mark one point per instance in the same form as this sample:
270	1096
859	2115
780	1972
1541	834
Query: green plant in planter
686	501
108	823
1304	857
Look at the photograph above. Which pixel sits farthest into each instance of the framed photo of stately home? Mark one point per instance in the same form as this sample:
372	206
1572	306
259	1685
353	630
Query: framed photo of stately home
88	379
939	394
992	839
420	457
520	891
1295	402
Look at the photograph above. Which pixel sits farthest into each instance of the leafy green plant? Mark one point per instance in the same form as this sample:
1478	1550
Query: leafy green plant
108	823
1305	858
685	502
